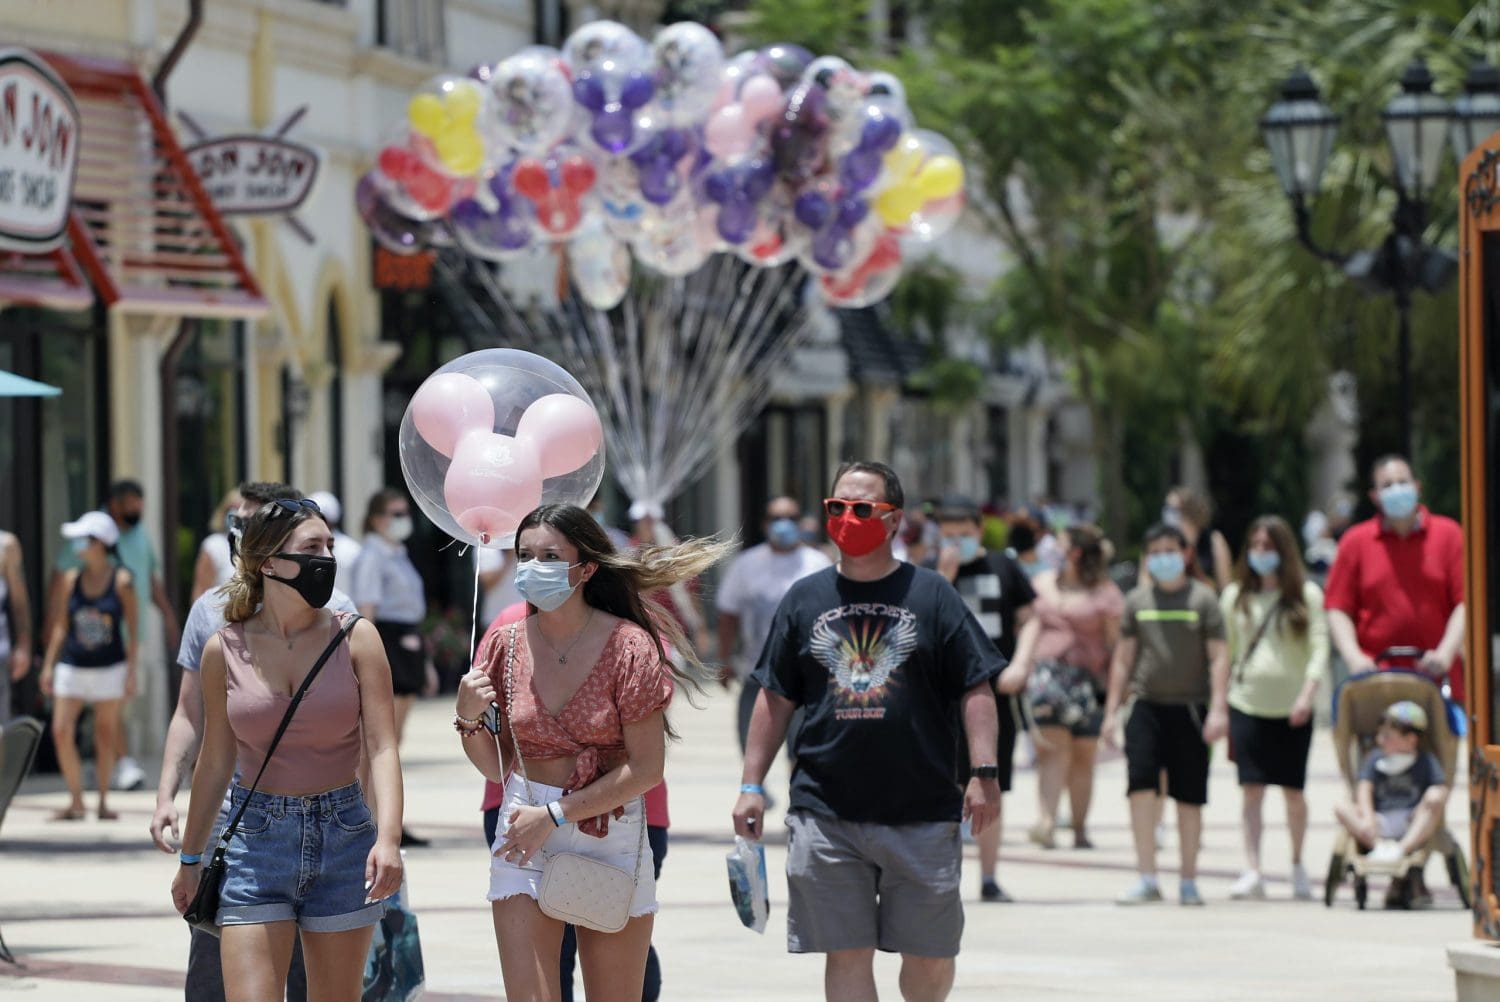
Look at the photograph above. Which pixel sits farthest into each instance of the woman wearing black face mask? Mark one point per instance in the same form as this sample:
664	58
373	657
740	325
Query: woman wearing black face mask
308	795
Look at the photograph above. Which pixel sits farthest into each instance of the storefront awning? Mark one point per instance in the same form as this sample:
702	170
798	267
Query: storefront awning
52	280
142	225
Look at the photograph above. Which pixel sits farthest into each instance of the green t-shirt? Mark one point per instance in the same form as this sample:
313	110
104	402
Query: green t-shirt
136	556
1172	630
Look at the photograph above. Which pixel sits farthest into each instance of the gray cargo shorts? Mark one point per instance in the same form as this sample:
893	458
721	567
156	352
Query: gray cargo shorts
855	885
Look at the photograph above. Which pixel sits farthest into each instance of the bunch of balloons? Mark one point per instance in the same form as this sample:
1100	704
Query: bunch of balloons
663	153
492	435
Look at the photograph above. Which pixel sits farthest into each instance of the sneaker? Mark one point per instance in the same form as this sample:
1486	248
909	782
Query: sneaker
1187	894
1387	852
1250	887
128	775
991	891
1144	892
1042	836
1302	889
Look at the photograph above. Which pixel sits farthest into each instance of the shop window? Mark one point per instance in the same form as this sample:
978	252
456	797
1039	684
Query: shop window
211	432
414	28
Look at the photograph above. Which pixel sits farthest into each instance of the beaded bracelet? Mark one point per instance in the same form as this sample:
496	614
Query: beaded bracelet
466	727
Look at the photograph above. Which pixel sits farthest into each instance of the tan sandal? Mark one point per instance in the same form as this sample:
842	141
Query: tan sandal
68	814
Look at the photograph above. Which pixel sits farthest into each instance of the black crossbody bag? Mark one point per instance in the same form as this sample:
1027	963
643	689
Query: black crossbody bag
203	910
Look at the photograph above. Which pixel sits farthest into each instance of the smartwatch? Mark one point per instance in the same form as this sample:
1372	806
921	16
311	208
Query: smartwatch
985	772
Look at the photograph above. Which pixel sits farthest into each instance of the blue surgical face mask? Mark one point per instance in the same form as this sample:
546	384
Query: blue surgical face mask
1263	561
544	583
1167	566
1399	500
968	546
783	534
80	546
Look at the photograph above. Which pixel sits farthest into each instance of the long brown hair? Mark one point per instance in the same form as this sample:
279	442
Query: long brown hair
265	533
1292	574
623	581
1094	552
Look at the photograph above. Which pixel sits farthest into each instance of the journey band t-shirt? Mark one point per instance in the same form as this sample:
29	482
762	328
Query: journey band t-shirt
880	668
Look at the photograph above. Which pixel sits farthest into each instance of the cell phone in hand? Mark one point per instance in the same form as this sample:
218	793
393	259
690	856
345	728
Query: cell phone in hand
492	718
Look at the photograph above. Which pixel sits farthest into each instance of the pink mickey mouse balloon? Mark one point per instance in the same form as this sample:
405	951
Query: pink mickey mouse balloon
464	457
565	430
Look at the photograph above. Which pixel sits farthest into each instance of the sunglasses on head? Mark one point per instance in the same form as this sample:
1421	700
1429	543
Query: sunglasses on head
292	506
835	507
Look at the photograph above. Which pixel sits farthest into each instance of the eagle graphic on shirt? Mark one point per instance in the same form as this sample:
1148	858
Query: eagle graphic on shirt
861	645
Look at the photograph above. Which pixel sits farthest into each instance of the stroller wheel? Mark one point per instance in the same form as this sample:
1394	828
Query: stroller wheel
1335	878
1458	872
1361	892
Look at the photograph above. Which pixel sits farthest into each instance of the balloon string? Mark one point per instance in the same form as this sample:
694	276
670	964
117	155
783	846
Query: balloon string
474	619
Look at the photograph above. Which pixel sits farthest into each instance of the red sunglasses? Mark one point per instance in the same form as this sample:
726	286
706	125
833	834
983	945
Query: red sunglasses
835	507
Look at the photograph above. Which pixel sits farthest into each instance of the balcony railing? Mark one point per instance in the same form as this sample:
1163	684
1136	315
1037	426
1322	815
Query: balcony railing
412	28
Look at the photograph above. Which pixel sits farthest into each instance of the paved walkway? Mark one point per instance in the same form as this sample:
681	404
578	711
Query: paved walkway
86	905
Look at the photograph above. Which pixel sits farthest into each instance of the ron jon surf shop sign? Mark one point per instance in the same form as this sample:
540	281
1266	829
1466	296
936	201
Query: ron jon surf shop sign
254	175
39	132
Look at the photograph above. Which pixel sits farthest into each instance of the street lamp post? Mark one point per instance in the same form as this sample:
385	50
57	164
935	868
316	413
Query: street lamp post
1299	130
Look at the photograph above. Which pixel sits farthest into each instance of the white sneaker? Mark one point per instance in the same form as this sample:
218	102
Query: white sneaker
1387	852
128	775
1302	889
1250	887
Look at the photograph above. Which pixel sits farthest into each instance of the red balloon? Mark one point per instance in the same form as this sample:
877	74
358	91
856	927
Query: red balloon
577	175
531	180
398	163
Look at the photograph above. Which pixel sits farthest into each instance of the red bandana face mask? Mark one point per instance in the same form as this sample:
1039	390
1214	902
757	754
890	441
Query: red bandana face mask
856	537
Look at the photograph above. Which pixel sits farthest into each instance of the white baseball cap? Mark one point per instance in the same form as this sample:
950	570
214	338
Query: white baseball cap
93	525
646	509
328	505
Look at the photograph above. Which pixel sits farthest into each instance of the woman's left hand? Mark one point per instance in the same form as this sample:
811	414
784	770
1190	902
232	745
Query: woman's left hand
528	830
383	871
1301	712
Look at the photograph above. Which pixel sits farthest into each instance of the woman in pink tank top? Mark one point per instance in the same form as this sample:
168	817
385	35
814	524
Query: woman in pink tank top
308	857
585	698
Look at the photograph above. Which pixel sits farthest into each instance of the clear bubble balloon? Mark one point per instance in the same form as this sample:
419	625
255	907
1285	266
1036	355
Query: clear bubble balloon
689	62
600	41
599	266
389	228
448	113
504	462
531	100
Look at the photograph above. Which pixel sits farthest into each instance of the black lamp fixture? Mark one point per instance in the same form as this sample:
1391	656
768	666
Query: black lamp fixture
1299	131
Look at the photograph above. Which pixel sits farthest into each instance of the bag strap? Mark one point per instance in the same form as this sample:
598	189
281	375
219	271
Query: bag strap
286	719
1260	631
510	703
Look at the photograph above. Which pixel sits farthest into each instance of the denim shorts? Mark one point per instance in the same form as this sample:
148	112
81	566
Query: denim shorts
300	859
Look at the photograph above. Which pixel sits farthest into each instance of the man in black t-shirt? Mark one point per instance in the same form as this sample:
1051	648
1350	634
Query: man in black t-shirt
890	667
998	593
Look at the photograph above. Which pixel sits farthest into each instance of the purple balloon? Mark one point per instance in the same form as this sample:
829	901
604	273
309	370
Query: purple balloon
859	169
638	89
719	186
812	210
852	212
880	132
390	228
737	220
756	179
588	91
831	248
613	129
659	182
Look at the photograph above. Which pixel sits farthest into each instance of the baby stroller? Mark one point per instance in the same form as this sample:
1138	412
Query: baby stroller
1358	706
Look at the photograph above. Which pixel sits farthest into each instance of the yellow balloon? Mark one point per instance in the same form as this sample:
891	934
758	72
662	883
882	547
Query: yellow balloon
895	206
904	159
941	177
463	105
460	150
427	115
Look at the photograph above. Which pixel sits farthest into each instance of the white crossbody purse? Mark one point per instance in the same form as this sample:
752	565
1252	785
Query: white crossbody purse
576	888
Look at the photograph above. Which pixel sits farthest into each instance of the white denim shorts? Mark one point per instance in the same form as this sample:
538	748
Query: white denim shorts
92	685
617	848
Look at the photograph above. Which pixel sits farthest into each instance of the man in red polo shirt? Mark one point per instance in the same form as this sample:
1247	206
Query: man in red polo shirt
1398	581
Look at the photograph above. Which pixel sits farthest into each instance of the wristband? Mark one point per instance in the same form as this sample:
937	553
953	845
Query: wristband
189	858
555	812
754	788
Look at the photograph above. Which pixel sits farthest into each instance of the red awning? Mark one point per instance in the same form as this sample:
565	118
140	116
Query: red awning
52	280
142	224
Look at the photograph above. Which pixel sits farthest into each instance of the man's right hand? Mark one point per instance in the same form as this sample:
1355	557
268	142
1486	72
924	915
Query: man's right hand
1363	665
165	818
749	816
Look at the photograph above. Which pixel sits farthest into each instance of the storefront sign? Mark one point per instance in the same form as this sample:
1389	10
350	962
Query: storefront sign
255	175
39	134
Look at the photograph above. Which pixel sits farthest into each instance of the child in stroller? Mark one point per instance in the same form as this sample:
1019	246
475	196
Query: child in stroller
1398	800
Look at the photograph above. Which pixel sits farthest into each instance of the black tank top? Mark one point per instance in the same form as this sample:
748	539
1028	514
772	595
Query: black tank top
94	638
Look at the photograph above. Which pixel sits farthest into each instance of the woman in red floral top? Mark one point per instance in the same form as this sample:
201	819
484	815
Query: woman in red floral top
591	685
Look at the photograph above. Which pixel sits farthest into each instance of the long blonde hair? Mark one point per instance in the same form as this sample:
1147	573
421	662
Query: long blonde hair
264	534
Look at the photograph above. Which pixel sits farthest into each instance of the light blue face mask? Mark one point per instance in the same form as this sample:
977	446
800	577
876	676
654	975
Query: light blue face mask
1166	567
1263	562
783	534
544	583
1399	500
80	546
968	546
